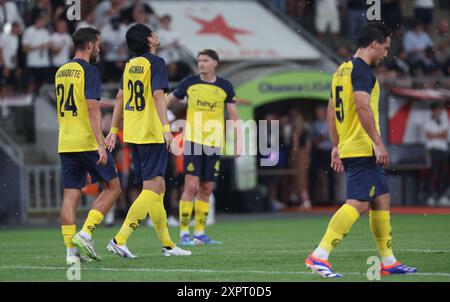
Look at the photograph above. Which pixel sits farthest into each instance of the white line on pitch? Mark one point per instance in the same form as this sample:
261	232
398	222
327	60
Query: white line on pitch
195	270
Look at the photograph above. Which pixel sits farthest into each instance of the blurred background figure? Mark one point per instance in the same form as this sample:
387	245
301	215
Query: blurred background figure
320	171
9	60
61	45
436	134
36	44
169	46
115	52
302	153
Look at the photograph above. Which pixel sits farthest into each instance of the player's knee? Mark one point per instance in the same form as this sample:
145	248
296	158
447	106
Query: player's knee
191	187
114	188
206	189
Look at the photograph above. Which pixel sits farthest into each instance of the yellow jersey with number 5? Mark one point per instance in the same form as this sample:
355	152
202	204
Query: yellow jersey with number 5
76	81
142	76
354	75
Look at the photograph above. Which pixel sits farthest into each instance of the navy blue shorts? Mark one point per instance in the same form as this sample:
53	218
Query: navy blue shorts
149	161
76	165
365	179
205	165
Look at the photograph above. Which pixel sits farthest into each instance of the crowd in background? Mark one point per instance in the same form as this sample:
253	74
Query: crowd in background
35	39
420	41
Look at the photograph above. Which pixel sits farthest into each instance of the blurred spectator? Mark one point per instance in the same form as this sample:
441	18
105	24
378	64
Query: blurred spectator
400	63
415	42
114	49
62	45
430	65
327	18
9	66
441	40
169	46
140	16
302	151
436	141
107	10
321	154
269	180
87	21
343	52
41	7
128	14
423	12
391	13
9	14
36	44
357	17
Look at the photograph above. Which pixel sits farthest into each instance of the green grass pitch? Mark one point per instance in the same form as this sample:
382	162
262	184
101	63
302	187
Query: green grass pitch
254	249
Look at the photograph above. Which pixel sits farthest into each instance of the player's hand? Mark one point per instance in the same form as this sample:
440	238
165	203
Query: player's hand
168	137
111	140
103	157
336	162
381	155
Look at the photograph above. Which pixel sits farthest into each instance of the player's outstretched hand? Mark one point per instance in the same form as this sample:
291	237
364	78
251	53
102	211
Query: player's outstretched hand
111	140
336	162
381	155
168	137
103	157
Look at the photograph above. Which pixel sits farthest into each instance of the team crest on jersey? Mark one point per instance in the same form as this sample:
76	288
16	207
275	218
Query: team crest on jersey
190	167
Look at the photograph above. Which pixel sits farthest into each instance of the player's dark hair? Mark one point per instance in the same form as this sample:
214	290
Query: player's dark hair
83	36
373	31
210	53
137	39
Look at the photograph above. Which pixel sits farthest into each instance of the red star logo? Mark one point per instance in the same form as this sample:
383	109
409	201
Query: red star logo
218	26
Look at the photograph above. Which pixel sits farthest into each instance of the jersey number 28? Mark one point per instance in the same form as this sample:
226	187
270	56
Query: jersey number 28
136	95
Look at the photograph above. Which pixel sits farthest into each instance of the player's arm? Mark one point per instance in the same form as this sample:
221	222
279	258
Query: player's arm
111	139
95	117
365	115
161	109
172	100
234	116
336	162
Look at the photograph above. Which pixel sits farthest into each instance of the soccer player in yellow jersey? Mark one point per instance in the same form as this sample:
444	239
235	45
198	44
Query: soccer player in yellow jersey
353	121
207	96
141	101
81	144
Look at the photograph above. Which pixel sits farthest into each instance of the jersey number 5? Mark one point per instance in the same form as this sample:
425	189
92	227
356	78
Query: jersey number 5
339	104
136	94
68	103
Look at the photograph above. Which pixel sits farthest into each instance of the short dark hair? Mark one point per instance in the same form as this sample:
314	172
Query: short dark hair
137	38
83	36
210	53
373	31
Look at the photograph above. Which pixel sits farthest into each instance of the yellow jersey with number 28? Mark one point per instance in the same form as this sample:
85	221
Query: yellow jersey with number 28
142	76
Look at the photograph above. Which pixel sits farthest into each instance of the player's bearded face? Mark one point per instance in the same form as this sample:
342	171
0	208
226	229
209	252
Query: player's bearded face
95	51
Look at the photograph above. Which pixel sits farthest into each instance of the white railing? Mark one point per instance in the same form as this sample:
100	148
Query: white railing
42	184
